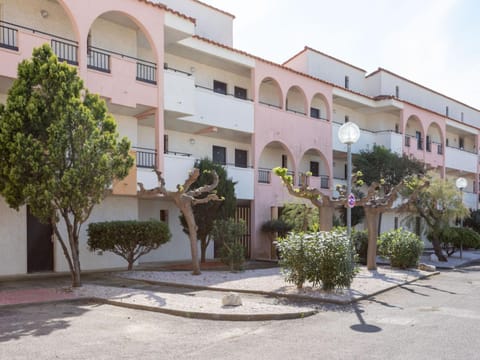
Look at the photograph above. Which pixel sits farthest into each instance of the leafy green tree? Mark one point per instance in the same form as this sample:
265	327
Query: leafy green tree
300	217
438	204
128	239
228	233
59	149
206	213
381	164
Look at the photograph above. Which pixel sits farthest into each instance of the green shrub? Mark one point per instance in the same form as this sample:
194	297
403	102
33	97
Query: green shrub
228	233
277	226
319	257
129	239
402	247
452	237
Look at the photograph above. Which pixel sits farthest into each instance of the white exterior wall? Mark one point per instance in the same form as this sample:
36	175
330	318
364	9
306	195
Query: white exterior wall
210	23
384	84
334	71
27	13
178	248
13	240
112	208
111	36
127	127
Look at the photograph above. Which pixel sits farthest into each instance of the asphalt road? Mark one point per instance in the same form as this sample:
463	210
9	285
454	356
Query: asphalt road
436	318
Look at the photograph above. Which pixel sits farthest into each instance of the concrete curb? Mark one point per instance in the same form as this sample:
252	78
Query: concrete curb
211	315
284	295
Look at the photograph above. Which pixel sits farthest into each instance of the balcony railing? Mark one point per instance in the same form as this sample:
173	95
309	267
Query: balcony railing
264	175
147	72
65	51
146	158
98	60
324	182
227	94
8	37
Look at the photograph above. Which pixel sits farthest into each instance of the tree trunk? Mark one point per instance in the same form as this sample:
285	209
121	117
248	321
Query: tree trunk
203	250
438	248
371	217
326	218
76	282
192	235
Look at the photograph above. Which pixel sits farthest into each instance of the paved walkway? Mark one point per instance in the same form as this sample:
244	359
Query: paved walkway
264	293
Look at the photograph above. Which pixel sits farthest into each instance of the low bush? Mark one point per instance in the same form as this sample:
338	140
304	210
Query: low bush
324	258
454	237
129	239
403	248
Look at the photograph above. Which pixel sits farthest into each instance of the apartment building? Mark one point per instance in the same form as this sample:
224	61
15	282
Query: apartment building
180	92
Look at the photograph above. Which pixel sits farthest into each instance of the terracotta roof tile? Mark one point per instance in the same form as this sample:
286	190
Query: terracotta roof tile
214	8
306	48
166	8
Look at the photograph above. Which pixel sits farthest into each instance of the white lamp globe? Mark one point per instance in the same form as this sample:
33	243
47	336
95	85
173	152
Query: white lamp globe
349	133
461	183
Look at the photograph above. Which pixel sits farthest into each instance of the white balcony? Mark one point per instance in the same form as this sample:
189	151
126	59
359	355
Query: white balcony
224	111
470	200
244	178
368	139
179	92
176	169
461	160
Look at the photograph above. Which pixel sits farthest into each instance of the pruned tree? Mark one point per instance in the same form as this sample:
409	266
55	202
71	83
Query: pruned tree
185	199
382	164
438	202
206	213
59	149
377	199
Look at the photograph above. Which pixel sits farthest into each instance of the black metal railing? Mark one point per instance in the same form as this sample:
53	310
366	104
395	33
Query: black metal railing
147	72
428	146
146	158
324	182
269	104
439	149
8	38
419	144
216	92
264	176
177	153
462	149
65	51
296	112
98	60
166	67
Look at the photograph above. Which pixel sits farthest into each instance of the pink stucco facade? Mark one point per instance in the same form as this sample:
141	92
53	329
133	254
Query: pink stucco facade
180	92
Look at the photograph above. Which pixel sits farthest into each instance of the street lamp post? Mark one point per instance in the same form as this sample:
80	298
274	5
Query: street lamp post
348	134
461	184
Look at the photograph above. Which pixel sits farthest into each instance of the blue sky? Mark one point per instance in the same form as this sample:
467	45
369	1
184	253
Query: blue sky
433	42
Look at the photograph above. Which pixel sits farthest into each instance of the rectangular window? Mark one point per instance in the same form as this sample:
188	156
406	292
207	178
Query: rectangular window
397	92
240	158
219	155
446	111
429	144
284	161
347	82
164	216
446	142
314	168
240	93
397	130
315	113
219	87
418	135
395	221
461	142
165	144
347	119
